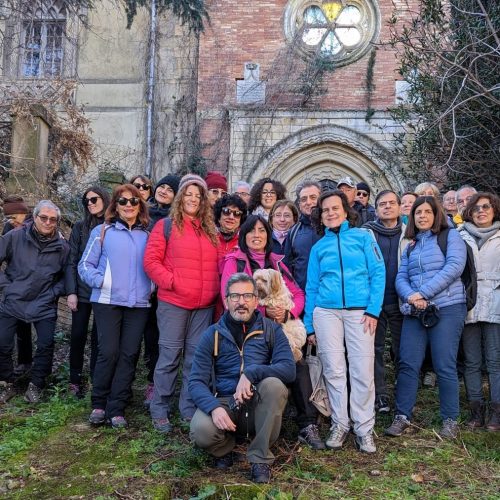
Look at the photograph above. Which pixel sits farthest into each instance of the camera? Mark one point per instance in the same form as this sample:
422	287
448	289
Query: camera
429	316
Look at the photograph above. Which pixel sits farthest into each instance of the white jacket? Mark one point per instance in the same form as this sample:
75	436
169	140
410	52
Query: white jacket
487	261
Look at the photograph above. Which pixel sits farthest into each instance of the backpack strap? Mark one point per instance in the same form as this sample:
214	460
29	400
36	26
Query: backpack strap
284	272
104	228
442	239
240	265
167	228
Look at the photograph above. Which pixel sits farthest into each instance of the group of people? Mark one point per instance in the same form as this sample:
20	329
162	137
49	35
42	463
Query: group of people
172	264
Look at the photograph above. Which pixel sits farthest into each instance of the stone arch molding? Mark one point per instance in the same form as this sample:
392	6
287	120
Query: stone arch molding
326	151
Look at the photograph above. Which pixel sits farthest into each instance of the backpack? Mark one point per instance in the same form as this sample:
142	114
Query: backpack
469	274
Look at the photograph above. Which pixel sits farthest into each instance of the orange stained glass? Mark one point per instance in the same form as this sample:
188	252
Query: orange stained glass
332	10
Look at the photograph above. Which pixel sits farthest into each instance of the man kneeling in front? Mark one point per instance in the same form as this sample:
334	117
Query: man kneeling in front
248	361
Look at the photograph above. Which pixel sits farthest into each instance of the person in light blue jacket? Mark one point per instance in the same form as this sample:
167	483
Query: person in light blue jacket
344	294
112	266
427	276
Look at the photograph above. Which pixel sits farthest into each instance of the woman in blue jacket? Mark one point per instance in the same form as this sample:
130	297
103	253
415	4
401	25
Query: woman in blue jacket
112	266
344	294
427	276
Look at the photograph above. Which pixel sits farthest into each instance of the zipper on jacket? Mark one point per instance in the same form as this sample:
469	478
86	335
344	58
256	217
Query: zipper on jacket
253	334
341	270
420	262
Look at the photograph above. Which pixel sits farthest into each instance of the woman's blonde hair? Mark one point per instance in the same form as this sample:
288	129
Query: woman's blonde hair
205	212
422	188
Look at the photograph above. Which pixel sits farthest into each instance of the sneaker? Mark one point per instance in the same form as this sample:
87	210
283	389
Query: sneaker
97	417
382	404
261	473
336	438
33	394
310	435
224	462
6	391
148	395
398	426
430	379
22	369
118	422
449	429
365	444
162	425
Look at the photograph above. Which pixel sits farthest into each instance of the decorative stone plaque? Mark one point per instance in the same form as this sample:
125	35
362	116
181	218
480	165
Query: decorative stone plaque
250	90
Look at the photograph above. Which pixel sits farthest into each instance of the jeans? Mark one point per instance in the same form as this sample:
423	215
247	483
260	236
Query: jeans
443	339
389	317
474	337
119	334
263	421
79	333
42	362
332	327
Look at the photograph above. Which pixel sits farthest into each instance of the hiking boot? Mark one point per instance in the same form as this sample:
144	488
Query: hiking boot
33	394
476	419
76	390
382	404
22	369
97	417
6	391
148	395
310	435
365	444
162	425
336	438
493	424
449	429
224	462
261	473
398	426
429	379
118	422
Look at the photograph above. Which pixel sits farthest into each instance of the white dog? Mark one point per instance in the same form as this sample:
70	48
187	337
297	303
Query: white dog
273	292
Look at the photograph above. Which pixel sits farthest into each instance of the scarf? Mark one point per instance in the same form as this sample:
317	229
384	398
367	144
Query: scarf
481	234
227	236
260	210
378	227
280	235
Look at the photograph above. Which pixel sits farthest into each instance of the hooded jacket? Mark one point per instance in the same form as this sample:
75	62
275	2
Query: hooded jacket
35	276
257	360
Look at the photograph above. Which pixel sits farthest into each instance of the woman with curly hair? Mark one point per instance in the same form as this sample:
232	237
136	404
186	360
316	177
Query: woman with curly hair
264	194
481	231
181	258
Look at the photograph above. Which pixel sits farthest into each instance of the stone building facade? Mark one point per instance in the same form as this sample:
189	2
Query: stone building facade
288	89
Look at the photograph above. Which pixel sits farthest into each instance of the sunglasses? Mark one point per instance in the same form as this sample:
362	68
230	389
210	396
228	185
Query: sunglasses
364	194
123	201
144	187
477	208
92	200
229	211
46	219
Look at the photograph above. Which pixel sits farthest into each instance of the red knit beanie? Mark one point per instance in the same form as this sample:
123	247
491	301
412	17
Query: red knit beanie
215	180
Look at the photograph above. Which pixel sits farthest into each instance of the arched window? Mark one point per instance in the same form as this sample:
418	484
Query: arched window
44	28
338	30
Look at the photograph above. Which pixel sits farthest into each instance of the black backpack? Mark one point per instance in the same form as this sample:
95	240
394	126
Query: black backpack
469	274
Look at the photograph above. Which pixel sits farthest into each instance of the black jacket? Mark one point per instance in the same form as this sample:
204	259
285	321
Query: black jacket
34	277
365	214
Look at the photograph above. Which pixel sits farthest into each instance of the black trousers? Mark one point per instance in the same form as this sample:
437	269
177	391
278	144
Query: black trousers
151	337
42	362
79	332
24	343
301	392
119	335
389	317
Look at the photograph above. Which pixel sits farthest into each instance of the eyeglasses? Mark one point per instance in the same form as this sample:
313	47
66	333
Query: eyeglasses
217	192
92	200
285	215
123	201
477	208
242	195
144	187
235	297
269	193
48	220
364	194
230	211
464	201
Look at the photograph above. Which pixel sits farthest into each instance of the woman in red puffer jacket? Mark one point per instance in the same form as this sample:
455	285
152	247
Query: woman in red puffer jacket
181	258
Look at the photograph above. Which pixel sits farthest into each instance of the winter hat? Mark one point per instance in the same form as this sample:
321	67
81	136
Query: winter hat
215	180
13	205
171	180
364	187
189	179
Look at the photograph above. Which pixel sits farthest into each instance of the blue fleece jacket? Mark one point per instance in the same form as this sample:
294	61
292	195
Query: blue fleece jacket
346	271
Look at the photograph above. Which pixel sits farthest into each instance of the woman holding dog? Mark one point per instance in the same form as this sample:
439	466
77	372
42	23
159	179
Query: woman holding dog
344	294
434	304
